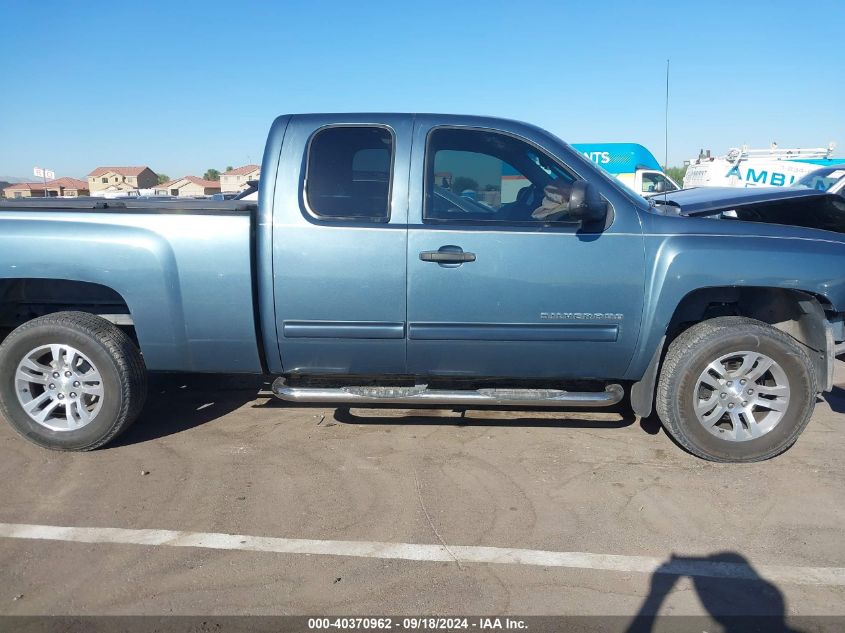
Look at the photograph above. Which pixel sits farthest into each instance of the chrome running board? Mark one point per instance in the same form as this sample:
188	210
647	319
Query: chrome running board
422	395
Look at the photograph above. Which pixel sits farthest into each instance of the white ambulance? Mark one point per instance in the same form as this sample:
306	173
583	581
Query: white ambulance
744	167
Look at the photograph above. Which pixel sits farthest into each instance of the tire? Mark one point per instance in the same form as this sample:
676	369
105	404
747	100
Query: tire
96	394
699	368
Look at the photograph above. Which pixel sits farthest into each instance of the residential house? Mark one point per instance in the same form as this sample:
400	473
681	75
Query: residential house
105	180
236	179
188	186
24	190
60	187
67	187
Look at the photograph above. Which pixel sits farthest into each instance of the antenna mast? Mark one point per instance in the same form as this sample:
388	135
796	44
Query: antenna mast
666	130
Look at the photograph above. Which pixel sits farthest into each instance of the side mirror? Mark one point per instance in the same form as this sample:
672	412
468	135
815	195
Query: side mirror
585	203
660	187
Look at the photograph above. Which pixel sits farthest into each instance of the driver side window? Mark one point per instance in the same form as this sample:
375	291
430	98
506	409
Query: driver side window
484	176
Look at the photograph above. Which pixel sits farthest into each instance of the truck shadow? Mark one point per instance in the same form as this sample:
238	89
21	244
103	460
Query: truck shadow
732	592
514	417
836	399
176	403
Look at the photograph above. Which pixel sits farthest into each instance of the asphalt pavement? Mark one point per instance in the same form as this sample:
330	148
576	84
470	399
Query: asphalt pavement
364	511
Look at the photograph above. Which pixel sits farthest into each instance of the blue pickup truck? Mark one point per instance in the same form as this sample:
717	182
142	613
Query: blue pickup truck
391	260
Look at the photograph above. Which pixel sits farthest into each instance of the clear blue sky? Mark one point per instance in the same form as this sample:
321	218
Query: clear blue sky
184	86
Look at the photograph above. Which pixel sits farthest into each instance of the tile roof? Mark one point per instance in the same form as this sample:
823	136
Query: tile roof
241	171
192	179
66	182
202	182
26	185
123	171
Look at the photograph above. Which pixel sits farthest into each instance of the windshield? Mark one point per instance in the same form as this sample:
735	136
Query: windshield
656	182
822	179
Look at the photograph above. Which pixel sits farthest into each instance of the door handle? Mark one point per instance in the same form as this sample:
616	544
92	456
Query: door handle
450	256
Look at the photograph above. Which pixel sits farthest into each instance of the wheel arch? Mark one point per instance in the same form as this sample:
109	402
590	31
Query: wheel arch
796	312
25	298
800	314
137	264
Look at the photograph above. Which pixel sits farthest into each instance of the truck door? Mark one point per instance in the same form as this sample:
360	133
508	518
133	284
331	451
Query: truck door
339	245
493	291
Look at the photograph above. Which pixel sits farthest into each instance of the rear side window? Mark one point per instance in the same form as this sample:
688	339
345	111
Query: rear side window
349	172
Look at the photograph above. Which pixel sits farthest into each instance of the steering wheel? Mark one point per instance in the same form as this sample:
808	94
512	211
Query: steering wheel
527	199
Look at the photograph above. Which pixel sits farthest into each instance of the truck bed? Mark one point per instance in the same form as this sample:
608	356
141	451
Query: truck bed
183	269
128	205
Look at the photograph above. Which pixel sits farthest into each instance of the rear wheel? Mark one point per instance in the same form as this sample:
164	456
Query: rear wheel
734	389
70	381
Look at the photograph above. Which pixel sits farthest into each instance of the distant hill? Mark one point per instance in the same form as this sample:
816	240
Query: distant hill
14	179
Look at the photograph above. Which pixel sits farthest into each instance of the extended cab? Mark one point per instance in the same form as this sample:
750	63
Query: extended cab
391	260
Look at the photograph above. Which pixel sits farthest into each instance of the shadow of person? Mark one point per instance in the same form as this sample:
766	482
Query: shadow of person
729	588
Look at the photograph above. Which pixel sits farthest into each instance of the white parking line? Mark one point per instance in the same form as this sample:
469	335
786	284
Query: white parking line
831	576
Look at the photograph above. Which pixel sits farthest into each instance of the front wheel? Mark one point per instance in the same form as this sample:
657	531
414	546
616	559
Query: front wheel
70	381
734	389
